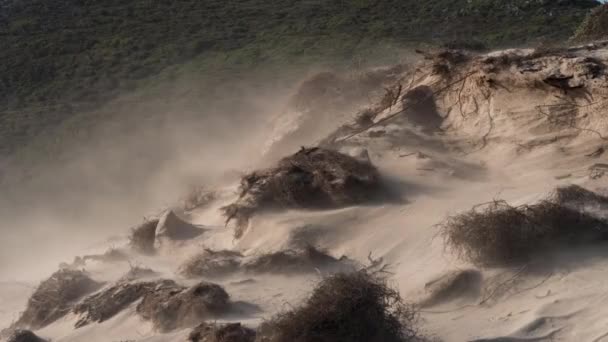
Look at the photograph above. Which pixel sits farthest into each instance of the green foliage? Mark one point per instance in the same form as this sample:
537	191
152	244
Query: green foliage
61	57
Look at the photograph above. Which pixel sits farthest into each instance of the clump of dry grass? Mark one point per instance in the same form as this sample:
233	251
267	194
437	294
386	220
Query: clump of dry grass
310	178
211	264
498	234
231	332
302	260
355	307
170	306
55	297
142	237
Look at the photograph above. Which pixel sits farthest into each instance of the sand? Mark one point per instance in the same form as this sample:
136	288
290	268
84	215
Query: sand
495	141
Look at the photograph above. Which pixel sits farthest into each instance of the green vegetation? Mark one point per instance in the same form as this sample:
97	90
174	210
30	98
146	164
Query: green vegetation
595	25
60	59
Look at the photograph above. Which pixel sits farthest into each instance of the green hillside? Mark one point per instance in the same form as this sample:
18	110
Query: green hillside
60	58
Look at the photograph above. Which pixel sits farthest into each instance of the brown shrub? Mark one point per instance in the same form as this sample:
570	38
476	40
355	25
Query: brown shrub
143	236
310	178
164	302
211	264
232	332
355	307
109	302
170	306
55	297
497	234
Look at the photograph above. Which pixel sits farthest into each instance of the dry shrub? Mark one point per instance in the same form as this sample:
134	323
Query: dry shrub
55	297
20	335
498	234
164	302
307	259
231	332
211	264
310	178
170	306
355	307
106	304
143	236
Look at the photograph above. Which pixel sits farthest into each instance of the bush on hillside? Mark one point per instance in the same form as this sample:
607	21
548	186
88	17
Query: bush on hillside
355	307
498	234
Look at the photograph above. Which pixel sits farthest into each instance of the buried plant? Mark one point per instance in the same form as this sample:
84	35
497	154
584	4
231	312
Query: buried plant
498	234
354	307
211	264
310	178
55	297
301	260
165	303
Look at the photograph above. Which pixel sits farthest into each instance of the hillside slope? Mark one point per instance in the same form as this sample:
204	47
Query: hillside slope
63	57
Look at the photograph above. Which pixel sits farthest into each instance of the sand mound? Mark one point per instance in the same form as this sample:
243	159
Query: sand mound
24	336
310	178
345	307
143	236
214	264
136	273
496	233
302	260
55	297
453	285
594	27
172	228
211	264
232	332
112	255
152	234
109	302
168	305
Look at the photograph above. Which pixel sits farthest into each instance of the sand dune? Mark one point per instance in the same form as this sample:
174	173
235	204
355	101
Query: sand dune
454	131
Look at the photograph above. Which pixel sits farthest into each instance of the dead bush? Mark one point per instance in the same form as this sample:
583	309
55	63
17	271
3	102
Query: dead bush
55	297
170	306
164	302
143	236
106	304
345	308
498	234
303	260
310	178
231	332
211	264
